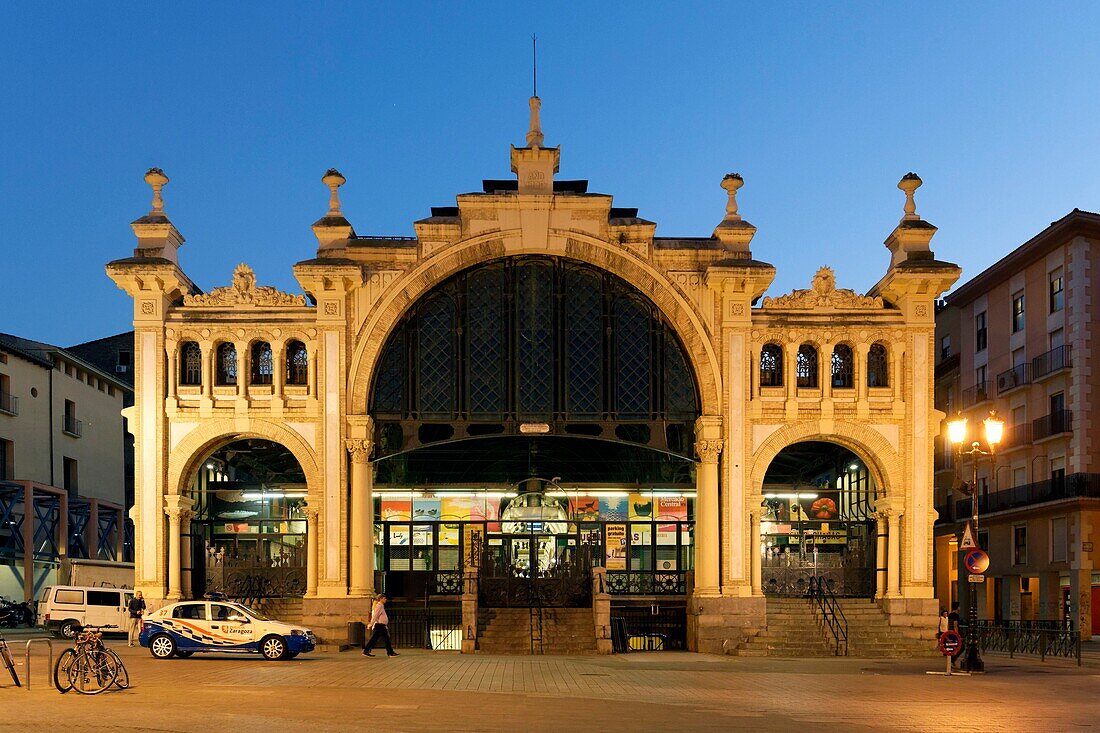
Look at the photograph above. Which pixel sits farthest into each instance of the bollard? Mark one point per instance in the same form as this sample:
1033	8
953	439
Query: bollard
49	660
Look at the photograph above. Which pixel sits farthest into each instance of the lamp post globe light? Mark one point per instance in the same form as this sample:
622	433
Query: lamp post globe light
993	429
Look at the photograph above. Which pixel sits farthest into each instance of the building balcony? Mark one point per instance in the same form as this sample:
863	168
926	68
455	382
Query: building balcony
1053	424
71	426
1017	436
9	403
1052	362
1018	376
975	395
1074	486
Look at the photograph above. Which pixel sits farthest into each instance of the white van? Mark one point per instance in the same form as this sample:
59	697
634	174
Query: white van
63	608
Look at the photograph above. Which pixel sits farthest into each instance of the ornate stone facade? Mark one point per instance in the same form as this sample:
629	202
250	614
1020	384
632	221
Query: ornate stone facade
708	289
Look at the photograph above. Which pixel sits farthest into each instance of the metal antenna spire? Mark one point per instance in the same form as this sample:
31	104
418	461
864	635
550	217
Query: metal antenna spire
534	67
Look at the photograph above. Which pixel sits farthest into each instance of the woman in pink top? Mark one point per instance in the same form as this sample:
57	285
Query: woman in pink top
379	622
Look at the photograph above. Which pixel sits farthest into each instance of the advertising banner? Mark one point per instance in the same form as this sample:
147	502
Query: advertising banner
616	546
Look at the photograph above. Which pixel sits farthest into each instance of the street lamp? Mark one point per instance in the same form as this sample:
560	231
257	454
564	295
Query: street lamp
956	435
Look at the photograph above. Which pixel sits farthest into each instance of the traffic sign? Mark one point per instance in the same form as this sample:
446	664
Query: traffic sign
968	542
976	578
950	643
976	561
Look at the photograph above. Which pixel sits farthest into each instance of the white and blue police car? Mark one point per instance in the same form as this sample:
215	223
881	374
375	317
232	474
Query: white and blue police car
181	629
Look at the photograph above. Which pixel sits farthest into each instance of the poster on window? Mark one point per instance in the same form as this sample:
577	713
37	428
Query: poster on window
396	510
616	546
671	509
426	510
641	507
584	508
613	508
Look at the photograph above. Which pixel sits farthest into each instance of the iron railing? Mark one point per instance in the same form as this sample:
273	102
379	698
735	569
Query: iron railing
430	627
1073	486
979	393
72	426
1053	424
1052	361
1046	639
1017	376
9	403
647	582
1017	436
832	615
649	628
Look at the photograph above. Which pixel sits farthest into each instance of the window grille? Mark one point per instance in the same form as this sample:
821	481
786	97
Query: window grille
191	364
263	366
297	363
227	364
843	366
771	366
878	366
806	366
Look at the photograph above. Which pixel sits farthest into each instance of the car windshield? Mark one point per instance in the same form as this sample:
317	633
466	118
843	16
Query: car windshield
249	612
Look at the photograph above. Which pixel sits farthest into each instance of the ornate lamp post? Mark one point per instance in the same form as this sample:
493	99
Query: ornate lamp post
957	435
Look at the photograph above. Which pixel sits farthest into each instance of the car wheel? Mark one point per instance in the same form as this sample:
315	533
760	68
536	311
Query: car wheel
68	629
273	648
182	654
161	646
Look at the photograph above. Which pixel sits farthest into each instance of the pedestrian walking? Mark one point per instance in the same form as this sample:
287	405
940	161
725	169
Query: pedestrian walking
944	623
379	625
953	620
136	607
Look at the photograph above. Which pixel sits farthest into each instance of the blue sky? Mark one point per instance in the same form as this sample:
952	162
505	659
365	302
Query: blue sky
822	107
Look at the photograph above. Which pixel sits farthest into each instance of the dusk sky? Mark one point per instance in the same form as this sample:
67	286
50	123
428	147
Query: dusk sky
821	107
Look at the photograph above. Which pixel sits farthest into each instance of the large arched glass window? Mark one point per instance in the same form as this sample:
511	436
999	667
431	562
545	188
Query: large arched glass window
190	364
806	366
843	366
878	366
297	363
771	366
263	366
436	345
226	366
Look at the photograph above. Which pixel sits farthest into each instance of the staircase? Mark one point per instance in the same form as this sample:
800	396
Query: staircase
288	610
794	629
510	631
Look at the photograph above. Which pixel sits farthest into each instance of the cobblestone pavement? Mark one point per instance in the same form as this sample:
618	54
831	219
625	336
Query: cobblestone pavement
421	691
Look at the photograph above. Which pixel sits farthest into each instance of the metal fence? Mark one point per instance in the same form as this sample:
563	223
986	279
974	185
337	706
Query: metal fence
434	627
1044	638
648	628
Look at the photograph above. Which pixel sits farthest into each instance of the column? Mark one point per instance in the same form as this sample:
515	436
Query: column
30	520
120	535
361	519
171	350
208	357
311	510
186	552
880	554
1010	599
893	567
242	370
91	530
312	369
177	508
790	369
708	447
1080	598
754	544
862	369
1050	597
278	373
825	370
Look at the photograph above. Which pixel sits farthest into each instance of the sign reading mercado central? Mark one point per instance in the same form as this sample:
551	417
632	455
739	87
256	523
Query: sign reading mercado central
539	385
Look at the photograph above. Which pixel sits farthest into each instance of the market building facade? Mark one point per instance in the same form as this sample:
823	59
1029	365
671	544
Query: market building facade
533	386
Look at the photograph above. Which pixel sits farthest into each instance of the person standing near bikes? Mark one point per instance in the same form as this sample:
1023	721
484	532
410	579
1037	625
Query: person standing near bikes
136	606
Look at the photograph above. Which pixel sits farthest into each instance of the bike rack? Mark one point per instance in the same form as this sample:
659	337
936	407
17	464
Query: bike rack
27	660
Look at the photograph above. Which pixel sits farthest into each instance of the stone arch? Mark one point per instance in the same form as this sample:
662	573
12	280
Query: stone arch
406	290
185	458
875	451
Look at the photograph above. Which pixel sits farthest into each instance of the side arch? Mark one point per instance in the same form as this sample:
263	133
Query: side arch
185	458
875	451
686	321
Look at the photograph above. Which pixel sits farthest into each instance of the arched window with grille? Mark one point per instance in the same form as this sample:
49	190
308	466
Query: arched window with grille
226	365
806	366
190	364
878	366
843	366
263	365
297	363
771	366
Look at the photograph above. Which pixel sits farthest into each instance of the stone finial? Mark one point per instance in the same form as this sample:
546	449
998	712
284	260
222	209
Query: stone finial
333	179
909	183
156	179
534	135
731	182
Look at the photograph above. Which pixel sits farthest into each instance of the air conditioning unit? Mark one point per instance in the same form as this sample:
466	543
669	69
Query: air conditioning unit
1005	382
121	369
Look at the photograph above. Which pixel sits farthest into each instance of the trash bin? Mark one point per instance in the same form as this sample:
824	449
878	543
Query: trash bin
356	633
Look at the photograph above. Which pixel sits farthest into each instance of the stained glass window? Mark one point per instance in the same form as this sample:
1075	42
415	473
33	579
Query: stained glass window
297	363
771	366
806	366
842	367
878	366
263	366
190	364
227	364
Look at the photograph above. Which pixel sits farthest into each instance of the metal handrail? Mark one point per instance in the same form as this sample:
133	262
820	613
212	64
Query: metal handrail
49	660
821	593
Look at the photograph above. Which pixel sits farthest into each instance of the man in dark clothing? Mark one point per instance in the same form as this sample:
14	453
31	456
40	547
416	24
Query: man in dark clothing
379	622
953	621
136	607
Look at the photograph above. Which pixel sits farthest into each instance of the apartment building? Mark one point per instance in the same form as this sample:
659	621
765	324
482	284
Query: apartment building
1017	339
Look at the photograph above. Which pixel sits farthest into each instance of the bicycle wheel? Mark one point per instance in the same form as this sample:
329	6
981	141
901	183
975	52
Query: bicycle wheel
61	670
122	677
93	672
6	653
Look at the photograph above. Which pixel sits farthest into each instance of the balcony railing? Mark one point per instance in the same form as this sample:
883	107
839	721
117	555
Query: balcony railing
1052	361
1053	424
1015	377
1074	486
1016	436
9	403
980	392
72	426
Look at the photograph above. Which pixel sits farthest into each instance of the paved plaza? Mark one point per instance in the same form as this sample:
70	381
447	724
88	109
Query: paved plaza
421	691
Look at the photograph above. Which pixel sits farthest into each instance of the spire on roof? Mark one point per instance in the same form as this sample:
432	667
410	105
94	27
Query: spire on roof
534	135
156	235
909	183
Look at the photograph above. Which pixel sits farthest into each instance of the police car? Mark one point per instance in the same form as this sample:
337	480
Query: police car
181	629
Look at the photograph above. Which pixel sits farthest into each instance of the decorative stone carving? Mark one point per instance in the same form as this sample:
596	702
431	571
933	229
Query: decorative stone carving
823	294
359	449
244	291
708	450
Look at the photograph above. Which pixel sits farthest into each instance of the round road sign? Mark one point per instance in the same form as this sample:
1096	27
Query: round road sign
976	561
950	643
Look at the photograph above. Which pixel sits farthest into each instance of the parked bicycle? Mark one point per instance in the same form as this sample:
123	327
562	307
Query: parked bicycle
90	667
5	656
